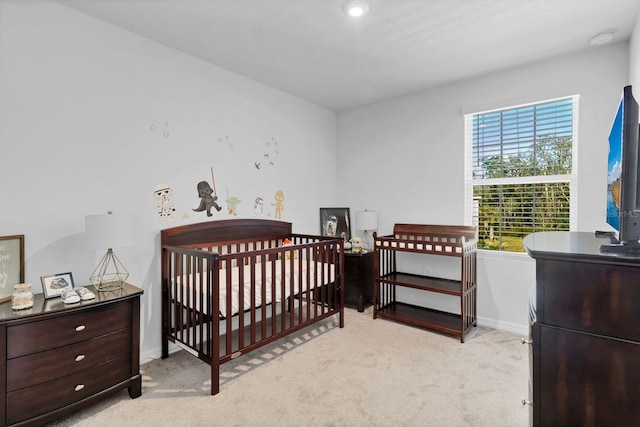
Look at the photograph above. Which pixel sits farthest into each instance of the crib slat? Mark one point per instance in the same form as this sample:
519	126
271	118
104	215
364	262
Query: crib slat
228	315
241	307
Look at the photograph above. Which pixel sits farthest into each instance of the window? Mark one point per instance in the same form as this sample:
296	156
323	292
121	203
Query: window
520	172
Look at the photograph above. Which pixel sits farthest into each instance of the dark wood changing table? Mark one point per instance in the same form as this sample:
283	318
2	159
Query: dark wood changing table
441	240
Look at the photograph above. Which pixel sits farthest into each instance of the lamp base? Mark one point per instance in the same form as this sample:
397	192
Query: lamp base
110	274
368	240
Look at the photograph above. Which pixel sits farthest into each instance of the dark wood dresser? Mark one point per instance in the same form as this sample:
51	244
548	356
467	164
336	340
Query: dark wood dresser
58	358
358	279
586	339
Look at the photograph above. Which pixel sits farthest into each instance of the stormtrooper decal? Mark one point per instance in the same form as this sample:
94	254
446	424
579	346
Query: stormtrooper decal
164	204
207	198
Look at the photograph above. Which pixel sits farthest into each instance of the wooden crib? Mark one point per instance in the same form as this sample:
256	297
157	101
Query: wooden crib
231	286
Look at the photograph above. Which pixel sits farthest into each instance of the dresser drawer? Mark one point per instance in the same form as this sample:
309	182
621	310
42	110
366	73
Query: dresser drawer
589	297
43	335
37	400
45	366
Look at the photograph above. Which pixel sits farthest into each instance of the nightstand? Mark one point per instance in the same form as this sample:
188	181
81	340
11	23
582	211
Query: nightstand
59	358
358	279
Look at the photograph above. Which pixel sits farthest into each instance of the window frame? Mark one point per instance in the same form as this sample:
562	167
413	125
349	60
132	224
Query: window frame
470	204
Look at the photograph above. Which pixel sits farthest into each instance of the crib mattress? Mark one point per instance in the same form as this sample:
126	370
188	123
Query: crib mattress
296	277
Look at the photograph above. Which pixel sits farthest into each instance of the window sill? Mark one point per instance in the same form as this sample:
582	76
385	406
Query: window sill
503	255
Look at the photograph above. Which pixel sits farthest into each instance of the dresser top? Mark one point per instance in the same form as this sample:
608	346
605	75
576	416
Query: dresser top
42	306
574	246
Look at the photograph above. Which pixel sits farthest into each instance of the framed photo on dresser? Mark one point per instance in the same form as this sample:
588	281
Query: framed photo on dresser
54	286
11	264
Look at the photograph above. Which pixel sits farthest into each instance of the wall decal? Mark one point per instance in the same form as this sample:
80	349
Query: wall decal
232	202
163	201
226	140
208	196
279	204
269	155
164	129
258	206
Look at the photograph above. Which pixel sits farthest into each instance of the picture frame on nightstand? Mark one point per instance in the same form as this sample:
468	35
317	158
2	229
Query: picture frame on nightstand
335	221
11	264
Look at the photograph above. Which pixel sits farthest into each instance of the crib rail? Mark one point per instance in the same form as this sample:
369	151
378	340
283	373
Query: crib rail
190	274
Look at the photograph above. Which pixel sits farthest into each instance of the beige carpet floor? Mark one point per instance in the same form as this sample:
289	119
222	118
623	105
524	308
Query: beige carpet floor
370	373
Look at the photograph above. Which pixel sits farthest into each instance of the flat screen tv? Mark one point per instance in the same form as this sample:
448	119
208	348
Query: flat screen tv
623	180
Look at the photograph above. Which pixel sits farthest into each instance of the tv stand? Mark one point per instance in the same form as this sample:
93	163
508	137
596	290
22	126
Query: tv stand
616	247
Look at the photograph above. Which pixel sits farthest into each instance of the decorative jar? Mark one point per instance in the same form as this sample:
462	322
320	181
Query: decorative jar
22	297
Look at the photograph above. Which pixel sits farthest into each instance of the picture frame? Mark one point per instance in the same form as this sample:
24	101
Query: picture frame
335	221
11	264
53	286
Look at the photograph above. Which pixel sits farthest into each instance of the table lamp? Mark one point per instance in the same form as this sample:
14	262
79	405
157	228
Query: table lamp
367	221
108	231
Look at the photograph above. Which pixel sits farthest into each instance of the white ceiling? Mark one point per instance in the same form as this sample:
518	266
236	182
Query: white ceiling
313	50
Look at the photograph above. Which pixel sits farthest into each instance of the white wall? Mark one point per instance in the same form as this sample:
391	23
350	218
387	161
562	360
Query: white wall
634	58
83	113
410	155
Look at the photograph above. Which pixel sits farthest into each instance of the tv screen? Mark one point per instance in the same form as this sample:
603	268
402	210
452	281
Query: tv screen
614	172
623	185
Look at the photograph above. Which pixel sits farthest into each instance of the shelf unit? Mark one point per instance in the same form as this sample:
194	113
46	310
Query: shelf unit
442	240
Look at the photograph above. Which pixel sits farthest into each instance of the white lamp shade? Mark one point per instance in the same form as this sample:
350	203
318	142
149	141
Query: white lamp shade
108	231
367	220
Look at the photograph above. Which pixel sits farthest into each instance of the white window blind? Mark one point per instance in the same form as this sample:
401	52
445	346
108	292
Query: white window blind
520	171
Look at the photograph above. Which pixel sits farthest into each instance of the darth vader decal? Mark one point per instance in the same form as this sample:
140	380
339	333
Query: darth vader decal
207	198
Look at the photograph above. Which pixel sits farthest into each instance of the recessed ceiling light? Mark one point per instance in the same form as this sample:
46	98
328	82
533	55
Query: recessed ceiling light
602	38
356	9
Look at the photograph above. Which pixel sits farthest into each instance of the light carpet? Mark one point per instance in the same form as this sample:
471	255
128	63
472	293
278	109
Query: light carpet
370	373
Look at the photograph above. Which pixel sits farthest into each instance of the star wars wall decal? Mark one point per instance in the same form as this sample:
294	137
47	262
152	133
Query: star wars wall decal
271	152
258	206
208	196
163	130
163	202
279	204
226	141
232	203
239	157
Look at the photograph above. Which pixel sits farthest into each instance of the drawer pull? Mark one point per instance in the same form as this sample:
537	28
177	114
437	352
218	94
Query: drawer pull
79	357
525	341
79	387
527	402
80	328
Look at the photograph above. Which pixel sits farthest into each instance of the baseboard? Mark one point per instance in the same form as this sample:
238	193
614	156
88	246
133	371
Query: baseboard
156	353
516	328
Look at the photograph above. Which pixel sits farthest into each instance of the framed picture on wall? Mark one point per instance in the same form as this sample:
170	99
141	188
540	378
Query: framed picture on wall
54	286
334	222
11	264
